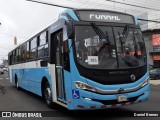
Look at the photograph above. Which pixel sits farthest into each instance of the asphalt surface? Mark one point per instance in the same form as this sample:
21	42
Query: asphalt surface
12	99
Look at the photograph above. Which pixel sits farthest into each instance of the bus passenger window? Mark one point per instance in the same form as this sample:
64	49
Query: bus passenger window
33	54
13	57
42	38
42	45
33	51
18	55
40	51
46	50
34	43
23	53
27	52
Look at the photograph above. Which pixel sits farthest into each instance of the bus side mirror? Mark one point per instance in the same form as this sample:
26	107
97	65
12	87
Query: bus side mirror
65	35
68	30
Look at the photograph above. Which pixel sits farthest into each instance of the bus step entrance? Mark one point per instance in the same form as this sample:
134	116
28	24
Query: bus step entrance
61	95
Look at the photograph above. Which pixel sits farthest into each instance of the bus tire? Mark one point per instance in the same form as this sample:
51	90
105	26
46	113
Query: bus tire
47	94
17	83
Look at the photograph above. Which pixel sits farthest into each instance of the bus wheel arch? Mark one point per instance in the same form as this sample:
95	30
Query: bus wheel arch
46	92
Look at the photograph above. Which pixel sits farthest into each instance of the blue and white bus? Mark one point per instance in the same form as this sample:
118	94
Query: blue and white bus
87	59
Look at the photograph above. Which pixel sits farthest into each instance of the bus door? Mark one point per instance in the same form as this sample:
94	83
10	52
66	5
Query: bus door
59	64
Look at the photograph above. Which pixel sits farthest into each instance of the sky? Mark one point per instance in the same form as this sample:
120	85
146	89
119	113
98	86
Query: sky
23	19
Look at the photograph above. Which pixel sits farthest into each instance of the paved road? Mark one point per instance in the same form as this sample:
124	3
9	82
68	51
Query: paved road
13	100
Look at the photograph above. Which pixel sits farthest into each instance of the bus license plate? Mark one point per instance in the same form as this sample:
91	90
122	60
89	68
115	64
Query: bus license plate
122	98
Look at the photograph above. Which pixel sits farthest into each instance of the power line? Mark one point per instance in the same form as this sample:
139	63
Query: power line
118	8
104	5
46	3
133	5
148	20
86	2
152	4
106	0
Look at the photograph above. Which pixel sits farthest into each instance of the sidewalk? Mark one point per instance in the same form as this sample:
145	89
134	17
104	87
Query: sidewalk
155	82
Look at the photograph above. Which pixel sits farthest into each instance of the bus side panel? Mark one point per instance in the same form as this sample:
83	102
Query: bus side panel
23	83
40	74
68	90
16	70
34	75
74	77
30	75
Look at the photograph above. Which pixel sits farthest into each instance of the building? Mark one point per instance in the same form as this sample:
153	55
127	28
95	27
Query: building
152	41
151	32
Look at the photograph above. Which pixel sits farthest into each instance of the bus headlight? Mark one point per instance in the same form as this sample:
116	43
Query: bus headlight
84	86
145	83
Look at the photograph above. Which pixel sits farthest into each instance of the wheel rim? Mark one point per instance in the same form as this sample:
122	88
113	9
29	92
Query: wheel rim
47	94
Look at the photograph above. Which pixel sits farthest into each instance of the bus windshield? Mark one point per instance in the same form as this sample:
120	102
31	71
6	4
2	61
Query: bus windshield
125	50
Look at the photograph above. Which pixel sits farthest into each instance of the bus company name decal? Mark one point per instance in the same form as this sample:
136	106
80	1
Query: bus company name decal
104	17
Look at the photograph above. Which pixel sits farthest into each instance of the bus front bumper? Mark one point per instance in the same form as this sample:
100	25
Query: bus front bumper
90	100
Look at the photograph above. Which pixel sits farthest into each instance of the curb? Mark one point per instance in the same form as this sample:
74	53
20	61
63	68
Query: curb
154	84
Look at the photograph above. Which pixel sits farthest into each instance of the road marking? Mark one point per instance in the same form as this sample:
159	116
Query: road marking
7	78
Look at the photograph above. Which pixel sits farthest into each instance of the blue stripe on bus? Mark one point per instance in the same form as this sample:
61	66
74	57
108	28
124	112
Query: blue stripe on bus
71	13
63	17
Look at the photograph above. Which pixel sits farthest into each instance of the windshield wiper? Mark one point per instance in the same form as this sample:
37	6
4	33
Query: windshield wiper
123	38
126	30
100	33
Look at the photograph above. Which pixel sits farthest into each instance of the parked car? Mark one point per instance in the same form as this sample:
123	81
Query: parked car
1	70
5	68
150	67
155	73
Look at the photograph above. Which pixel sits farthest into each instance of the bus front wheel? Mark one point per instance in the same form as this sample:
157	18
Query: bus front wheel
48	94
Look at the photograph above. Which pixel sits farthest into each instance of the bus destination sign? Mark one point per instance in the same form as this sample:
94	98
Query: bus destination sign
105	16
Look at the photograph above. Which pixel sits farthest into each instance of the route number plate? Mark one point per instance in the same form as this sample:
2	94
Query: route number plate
122	98
93	60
